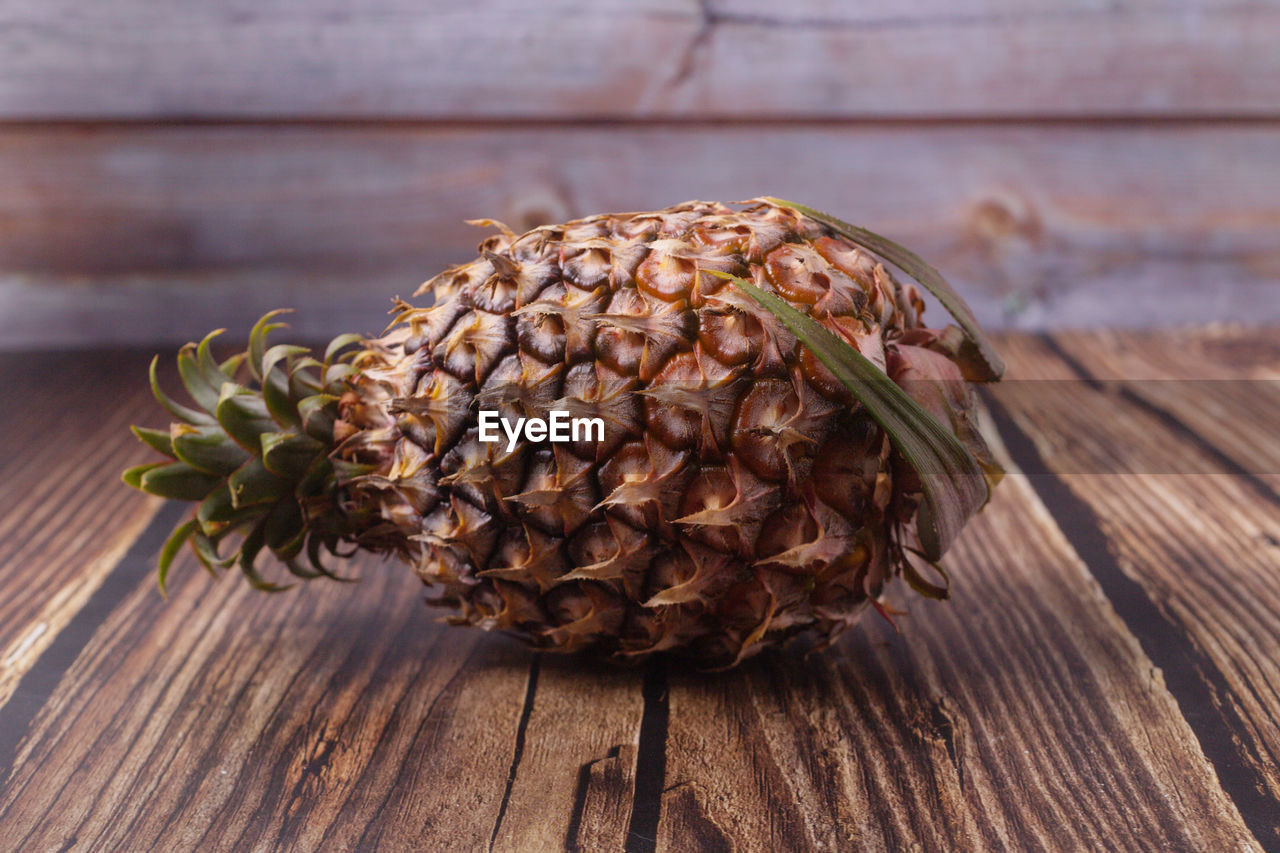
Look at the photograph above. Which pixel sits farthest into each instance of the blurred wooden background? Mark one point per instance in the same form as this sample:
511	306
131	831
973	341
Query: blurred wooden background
169	166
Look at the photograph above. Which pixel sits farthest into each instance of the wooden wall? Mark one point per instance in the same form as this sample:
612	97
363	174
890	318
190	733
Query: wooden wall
165	167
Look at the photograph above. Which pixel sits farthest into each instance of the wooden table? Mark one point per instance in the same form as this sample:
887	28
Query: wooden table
1106	675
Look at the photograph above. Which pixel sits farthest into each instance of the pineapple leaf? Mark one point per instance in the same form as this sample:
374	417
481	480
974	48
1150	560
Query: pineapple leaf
194	380
231	366
243	415
252	484
258	341
298	570
339	343
289	454
172	545
209	368
133	476
917	582
206	448
335	373
318	413
314	544
179	411
285	530
177	481
987	366
275	389
217	511
207	553
156	439
954	488
249	550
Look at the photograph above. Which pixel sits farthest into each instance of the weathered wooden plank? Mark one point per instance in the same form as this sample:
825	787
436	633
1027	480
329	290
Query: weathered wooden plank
1019	715
1191	557
574	783
66	519
658	58
1221	384
133	234
331	716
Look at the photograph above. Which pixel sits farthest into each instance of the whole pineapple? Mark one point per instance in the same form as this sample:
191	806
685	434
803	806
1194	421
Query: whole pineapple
741	492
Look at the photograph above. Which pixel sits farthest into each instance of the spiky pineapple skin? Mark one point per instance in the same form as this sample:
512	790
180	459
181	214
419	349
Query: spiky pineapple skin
740	495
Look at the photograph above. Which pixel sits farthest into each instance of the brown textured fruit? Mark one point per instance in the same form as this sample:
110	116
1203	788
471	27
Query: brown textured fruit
740	494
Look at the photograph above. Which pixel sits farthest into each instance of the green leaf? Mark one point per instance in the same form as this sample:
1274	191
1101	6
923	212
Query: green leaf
207	553
249	550
314	543
339	343
156	439
207	448
252	484
954	488
209	368
316	479
172	545
177	481
133	476
179	411
926	588
288	454
258	340
988	363
275	388
336	374
318	413
232	365
302	381
217	512
345	471
243	415
201	375
285	530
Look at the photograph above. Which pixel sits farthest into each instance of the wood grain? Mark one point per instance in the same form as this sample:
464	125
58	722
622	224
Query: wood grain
1222	385
1020	715
67	519
1200	547
657	58
121	234
1032	711
228	719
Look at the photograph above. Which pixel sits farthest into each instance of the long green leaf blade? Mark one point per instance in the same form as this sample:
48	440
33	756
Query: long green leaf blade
928	277
258	340
179	411
954	488
172	545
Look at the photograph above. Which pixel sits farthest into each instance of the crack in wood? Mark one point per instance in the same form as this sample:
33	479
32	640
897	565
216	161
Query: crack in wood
944	727
518	753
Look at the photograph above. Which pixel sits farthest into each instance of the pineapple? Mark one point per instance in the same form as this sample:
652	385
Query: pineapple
777	435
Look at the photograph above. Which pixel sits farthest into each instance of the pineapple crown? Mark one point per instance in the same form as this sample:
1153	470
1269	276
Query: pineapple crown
254	453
